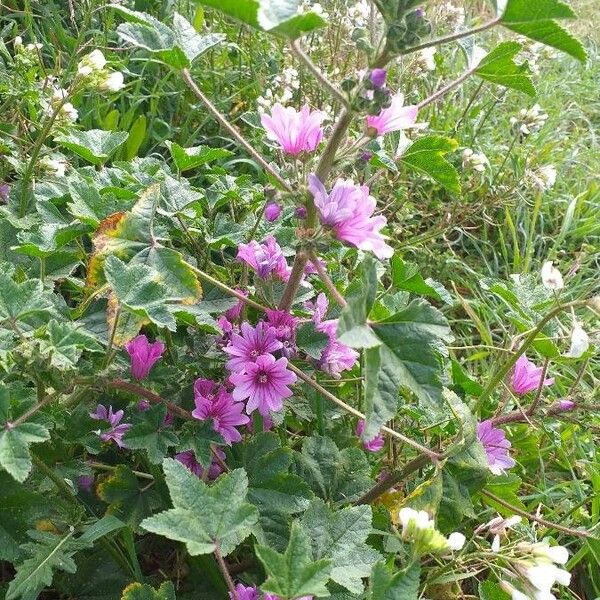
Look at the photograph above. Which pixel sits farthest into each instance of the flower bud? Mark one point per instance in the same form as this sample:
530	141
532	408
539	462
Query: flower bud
551	277
377	77
272	211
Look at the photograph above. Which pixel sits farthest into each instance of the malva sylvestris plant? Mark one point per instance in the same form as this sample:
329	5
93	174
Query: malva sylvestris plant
218	357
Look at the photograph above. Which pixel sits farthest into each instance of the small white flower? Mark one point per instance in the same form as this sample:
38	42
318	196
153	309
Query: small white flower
94	61
34	47
474	160
551	277
53	166
580	342
496	543
113	82
69	112
556	554
515	594
456	541
18	43
543	177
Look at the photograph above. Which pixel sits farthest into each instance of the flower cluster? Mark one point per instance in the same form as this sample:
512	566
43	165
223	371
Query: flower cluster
92	68
543	178
287	82
419	530
246	592
476	161
529	120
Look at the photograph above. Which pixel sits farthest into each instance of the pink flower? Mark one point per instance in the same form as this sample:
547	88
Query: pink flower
234	313
377	77
252	343
117	430
374	444
245	592
348	210
143	355
496	447
336	357
272	211
264	383
394	118
285	329
526	376
294	131
266	258
274	597
215	402
188	458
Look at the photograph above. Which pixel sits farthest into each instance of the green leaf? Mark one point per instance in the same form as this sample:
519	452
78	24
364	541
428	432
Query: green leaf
136	137
139	591
14	447
131	236
393	585
279	17
204	517
504	487
137	288
178	46
294	573
192	158
311	341
198	436
404	350
427	154
94	145
65	344
149	433
499	67
406	276
127	500
176	196
490	590
535	20
341	536
48	553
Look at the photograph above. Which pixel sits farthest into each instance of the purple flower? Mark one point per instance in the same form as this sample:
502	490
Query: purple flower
377	77
394	118
215	402
348	210
188	458
86	482
4	192
143	355
117	430
245	592
336	357
300	212
274	597
252	343
234	313
272	211
374	444
266	258
496	447
264	383
295	132
366	155
285	329
526	376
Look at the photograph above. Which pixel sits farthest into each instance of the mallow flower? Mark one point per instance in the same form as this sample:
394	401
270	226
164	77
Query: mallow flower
143	355
266	259
374	444
496	447
526	377
188	459
117	429
294	131
250	344
348	211
393	118
245	592
552	277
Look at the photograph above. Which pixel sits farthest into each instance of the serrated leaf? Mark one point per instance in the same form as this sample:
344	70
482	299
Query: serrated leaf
427	154
15	456
499	67
95	145
149	433
393	585
176	196
403	350
196	156
204	517
127	500
139	591
341	536
65	344
131	236
535	20
199	436
136	287
48	553
279	17
294	573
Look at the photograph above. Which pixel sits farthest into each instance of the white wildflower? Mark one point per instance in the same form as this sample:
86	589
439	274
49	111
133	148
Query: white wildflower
113	82
580	342
456	541
90	63
476	161
543	177
52	166
551	277
529	121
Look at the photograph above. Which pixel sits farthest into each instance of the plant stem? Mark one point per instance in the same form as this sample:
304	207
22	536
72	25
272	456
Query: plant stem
327	280
225	571
538	393
523	513
452	37
187	77
102	467
333	90
431	454
34	409
289	293
394	478
503	371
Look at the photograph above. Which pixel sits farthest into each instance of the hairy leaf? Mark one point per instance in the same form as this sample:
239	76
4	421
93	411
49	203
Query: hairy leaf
95	145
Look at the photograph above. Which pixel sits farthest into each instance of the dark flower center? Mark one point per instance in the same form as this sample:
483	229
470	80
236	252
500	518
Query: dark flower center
263	378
